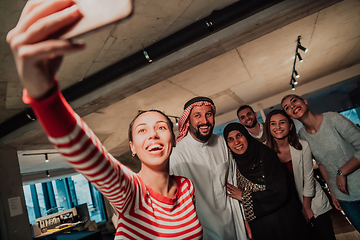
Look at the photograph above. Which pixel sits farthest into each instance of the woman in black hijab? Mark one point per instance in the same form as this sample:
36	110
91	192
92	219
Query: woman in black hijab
271	208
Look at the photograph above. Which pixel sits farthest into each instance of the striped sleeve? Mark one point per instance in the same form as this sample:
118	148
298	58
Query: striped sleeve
83	150
143	213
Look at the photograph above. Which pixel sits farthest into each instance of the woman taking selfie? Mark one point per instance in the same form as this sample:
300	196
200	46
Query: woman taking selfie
150	204
271	208
335	144
295	154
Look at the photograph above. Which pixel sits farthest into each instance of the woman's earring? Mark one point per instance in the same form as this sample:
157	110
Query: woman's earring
133	155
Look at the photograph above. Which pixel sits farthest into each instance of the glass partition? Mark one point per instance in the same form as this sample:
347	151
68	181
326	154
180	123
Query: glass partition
43	199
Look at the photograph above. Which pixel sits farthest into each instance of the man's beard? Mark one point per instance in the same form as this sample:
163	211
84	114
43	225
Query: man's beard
253	125
198	135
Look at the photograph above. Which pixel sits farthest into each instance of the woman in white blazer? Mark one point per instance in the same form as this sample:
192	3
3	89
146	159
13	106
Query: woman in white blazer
295	154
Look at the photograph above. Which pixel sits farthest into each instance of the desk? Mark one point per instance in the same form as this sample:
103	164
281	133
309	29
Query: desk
84	235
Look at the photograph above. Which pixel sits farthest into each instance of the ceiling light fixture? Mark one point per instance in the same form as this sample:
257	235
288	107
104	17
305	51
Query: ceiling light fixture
146	55
47	173
45	154
299	56
296	74
299	46
293	81
303	48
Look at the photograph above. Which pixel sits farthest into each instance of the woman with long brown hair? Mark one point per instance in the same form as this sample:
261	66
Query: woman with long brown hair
295	154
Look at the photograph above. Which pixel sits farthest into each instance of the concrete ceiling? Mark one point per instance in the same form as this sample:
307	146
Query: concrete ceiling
249	62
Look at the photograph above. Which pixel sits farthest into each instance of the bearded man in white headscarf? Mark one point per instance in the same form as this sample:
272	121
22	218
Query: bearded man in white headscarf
203	157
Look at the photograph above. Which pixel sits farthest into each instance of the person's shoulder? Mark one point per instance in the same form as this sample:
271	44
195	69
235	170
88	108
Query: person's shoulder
301	132
304	143
217	139
182	144
184	182
331	116
180	151
182	179
335	118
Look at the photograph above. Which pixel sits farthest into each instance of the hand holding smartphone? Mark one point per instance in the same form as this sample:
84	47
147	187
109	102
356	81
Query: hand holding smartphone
38	41
97	13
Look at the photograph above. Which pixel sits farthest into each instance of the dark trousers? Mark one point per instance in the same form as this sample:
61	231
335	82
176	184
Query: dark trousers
322	227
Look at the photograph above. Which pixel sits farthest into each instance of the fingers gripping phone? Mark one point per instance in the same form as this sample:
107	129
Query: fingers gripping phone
97	13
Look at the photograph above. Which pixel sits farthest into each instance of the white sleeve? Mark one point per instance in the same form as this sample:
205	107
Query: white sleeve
309	184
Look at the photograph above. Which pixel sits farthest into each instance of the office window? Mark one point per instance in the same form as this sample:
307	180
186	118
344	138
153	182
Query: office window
29	203
352	115
87	193
43	199
82	190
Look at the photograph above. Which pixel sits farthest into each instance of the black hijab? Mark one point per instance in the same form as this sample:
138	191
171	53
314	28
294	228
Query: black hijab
259	163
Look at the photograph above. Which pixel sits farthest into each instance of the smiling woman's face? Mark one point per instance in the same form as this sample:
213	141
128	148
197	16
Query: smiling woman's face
279	126
237	142
152	139
294	107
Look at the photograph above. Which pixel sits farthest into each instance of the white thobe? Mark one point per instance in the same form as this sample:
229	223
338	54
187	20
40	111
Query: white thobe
210	167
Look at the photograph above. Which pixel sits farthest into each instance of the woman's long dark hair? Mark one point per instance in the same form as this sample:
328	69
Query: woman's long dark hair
293	138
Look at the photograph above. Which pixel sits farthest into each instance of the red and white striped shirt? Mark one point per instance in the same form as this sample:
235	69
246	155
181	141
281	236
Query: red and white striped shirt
143	213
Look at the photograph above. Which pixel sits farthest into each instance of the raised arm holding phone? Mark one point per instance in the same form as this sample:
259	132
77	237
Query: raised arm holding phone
150	204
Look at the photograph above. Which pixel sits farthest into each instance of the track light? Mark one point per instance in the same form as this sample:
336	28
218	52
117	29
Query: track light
177	121
47	173
303	48
299	56
296	74
300	46
45	154
146	55
293	81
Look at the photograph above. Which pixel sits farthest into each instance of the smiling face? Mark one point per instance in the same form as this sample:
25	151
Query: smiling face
152	139
294	106
201	123
237	142
279	126
247	118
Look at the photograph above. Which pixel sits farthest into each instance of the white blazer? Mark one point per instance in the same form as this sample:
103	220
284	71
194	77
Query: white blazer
306	185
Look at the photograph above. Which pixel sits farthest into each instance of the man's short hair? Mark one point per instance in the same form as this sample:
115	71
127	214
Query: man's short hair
242	108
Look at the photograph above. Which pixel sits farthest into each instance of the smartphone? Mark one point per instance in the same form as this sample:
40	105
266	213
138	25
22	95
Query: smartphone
96	14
